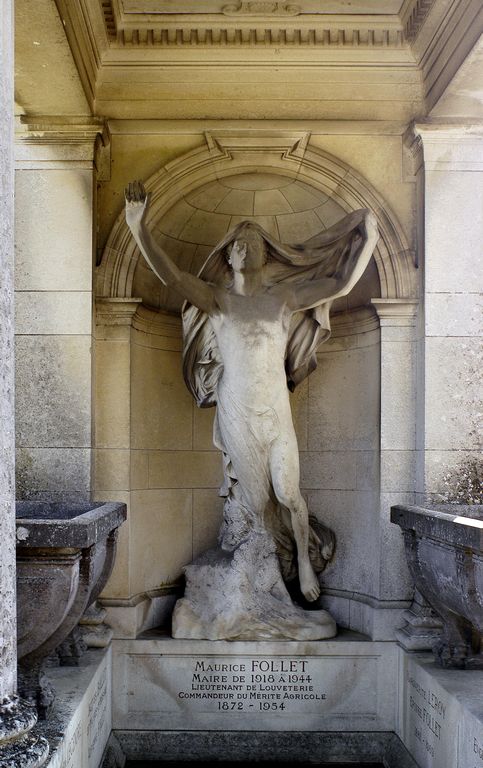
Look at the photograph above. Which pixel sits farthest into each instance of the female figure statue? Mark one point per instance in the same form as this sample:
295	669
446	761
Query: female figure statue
252	321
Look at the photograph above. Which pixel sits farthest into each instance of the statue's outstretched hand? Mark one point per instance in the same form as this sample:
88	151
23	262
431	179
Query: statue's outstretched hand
137	202
371	225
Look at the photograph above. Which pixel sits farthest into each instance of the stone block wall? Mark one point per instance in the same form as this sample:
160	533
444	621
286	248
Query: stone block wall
53	320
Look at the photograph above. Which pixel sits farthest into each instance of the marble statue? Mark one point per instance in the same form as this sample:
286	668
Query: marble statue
252	321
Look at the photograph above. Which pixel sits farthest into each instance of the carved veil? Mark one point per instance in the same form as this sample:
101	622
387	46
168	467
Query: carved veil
324	255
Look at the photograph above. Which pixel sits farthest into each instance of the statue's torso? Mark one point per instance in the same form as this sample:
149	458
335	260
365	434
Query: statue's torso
252	335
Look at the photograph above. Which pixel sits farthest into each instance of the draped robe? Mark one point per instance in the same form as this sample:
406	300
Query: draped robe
240	429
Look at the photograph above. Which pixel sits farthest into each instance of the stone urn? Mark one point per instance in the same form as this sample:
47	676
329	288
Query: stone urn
444	549
65	555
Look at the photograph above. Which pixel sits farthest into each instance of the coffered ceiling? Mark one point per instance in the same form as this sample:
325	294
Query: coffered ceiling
218	59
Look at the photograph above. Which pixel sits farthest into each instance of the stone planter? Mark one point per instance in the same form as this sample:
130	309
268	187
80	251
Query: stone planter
65	555
444	548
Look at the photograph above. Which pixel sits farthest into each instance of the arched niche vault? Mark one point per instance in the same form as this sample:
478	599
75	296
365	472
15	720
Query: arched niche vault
292	189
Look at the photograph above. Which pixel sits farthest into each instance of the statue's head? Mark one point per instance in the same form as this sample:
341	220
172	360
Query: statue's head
247	251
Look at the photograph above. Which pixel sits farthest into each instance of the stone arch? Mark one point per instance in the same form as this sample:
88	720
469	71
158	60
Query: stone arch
287	155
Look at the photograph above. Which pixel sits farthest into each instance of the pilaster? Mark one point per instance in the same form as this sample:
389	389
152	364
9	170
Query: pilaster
134	604
397	319
451	351
112	397
55	204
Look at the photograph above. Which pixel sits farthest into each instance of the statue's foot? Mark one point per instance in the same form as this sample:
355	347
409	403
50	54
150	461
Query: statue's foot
309	584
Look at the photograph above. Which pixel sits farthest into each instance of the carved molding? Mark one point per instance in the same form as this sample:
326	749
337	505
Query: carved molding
324	36
413	157
58	141
116	311
58	130
396	312
109	18
416	18
253	24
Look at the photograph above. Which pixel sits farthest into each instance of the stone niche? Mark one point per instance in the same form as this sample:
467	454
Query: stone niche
149	430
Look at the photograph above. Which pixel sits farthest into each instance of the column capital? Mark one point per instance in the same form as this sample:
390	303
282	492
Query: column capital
52	141
447	146
116	311
396	312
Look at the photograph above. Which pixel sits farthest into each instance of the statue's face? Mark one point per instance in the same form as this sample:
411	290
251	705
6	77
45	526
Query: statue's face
248	252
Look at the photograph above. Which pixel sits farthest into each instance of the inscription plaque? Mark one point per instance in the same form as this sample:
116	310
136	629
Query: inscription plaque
254	685
346	687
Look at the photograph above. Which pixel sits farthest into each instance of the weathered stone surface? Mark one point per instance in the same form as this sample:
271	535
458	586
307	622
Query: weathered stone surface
7	438
444	551
80	722
65	554
240	595
53	391
423	626
19	747
440	713
263	746
30	751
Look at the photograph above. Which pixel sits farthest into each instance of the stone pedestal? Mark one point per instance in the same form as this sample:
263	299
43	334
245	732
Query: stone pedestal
345	684
188	700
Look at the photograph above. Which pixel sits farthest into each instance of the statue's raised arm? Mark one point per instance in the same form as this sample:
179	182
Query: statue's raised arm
191	288
346	271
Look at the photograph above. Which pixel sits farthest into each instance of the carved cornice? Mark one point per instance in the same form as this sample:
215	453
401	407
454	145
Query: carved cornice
323	35
418	11
253	24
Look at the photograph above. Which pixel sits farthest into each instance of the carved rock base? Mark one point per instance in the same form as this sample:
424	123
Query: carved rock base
241	595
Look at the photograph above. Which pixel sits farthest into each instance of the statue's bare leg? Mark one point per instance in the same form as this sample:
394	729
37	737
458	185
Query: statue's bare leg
285	472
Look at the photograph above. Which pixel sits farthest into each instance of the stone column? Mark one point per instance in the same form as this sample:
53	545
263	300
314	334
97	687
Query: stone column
451	350
18	747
